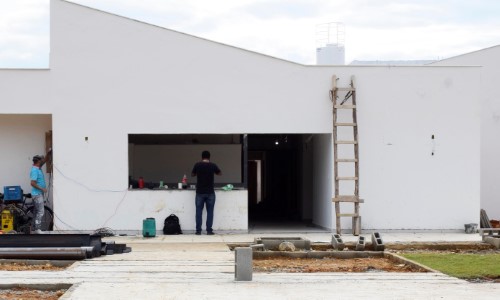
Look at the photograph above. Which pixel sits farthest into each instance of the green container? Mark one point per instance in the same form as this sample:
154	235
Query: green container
149	227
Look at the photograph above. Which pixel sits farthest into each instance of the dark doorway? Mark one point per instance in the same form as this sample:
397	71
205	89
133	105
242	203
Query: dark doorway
275	180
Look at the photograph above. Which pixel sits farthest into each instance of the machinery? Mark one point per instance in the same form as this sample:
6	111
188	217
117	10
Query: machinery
7	220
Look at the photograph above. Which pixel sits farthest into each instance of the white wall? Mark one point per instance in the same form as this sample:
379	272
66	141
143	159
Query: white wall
399	109
124	211
21	137
489	59
111	77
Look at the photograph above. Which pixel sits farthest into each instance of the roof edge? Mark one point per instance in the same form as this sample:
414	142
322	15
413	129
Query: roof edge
179	32
463	54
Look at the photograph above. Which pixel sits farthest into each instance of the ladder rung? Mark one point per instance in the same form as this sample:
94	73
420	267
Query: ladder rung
346	124
346	142
346	89
345	198
345	106
347	215
347	178
347	160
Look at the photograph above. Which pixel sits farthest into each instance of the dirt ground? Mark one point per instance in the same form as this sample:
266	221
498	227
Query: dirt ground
311	265
30	294
27	267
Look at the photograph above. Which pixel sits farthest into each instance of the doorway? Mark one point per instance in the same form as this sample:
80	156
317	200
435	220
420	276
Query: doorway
280	181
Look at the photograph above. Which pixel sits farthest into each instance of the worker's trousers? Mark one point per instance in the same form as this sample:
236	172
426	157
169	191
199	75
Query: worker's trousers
38	211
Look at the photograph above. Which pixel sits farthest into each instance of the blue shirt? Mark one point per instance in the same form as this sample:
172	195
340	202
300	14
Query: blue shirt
36	174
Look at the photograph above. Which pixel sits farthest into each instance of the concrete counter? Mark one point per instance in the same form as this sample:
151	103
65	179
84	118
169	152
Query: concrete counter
230	215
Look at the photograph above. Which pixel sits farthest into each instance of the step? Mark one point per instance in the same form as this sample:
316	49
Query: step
347	160
347	215
347	178
345	198
345	106
346	124
346	89
346	142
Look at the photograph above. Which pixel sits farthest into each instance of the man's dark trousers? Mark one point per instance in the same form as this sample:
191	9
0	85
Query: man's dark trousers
201	200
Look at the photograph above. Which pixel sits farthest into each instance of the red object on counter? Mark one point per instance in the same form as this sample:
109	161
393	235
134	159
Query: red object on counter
141	182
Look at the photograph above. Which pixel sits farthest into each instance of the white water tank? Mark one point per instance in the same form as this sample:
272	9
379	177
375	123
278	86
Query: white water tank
330	41
331	54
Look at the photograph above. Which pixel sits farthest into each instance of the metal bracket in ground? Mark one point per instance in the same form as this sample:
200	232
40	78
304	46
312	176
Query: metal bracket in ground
337	242
378	244
360	245
243	264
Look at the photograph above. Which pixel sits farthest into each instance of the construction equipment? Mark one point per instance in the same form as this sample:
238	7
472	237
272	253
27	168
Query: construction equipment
7	221
348	103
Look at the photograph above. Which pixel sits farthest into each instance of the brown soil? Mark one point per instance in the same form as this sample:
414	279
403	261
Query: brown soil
312	265
30	294
28	267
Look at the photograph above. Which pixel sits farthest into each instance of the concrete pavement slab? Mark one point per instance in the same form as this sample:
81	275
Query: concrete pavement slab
202	267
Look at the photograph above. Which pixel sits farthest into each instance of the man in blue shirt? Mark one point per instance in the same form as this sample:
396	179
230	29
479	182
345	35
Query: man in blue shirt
38	189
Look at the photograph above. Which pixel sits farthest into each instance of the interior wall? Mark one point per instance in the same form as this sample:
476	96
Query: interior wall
322	180
170	162
21	137
306	177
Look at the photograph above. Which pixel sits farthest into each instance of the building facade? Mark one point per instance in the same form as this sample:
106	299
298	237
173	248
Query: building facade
125	99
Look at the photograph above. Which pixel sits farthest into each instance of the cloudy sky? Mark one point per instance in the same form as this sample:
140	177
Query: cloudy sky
374	30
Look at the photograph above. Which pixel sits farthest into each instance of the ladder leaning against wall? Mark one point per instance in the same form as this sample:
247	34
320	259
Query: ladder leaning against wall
348	102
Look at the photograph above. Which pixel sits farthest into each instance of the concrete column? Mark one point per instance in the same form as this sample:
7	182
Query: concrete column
243	268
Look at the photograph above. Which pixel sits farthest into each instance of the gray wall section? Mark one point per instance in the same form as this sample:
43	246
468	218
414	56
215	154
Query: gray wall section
170	162
322	180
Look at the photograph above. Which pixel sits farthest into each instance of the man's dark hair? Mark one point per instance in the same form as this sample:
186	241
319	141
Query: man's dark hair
37	158
205	155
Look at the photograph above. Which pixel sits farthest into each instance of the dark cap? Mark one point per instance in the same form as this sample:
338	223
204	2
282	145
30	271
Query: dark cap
37	158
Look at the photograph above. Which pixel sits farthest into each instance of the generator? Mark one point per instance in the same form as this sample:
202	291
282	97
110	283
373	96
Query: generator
7	220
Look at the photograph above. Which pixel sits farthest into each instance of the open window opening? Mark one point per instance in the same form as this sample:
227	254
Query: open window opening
162	160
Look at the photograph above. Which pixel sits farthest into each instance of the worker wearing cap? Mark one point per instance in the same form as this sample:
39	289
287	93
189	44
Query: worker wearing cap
38	189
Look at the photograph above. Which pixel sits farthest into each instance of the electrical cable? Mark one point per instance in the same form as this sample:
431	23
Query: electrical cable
91	190
85	186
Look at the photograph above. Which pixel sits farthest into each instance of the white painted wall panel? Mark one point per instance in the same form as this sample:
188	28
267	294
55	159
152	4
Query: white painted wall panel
489	93
124	211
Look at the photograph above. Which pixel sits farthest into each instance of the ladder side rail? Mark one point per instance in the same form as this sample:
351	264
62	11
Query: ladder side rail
356	221
335	153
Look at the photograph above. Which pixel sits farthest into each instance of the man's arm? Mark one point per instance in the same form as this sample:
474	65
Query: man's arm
217	171
47	157
33	184
193	173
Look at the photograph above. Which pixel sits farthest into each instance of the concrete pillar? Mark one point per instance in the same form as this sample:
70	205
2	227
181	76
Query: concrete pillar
243	268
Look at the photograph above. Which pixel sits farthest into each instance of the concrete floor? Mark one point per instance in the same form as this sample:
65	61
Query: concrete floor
202	267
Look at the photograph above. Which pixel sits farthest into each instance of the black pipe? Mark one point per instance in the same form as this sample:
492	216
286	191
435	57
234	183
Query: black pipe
60	253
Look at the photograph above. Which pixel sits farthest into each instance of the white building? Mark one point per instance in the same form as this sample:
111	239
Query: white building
124	98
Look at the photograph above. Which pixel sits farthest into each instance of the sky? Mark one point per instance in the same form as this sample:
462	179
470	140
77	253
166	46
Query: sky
287	29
